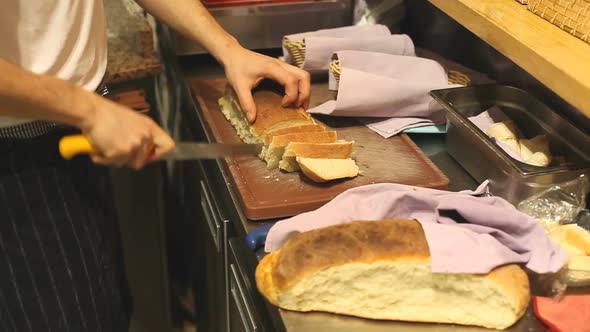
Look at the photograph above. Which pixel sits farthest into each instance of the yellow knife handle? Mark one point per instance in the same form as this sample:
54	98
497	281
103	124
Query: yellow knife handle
71	145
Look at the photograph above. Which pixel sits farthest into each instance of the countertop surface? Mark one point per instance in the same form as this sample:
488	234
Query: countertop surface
131	46
435	147
554	57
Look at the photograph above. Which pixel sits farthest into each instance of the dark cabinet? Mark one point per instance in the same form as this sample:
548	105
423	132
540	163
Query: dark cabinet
242	314
210	258
241	318
247	308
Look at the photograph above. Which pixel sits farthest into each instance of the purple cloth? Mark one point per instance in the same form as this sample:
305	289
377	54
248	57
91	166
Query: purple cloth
319	50
391	91
365	94
406	69
388	127
364	31
465	234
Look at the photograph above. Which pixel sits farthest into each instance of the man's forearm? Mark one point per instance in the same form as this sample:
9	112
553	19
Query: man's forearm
27	95
191	19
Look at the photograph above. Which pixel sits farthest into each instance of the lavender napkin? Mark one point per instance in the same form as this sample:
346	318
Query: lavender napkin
354	32
388	127
405	69
465	234
390	92
319	49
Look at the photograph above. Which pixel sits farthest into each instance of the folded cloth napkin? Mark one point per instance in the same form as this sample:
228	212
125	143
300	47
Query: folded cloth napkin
388	127
319	49
465	233
570	314
484	120
354	32
391	87
407	69
384	85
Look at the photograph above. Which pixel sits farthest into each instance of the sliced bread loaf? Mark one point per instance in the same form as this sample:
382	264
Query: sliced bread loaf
324	170
306	128
270	115
273	153
338	150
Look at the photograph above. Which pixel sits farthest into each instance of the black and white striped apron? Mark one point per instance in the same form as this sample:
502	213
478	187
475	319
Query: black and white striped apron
60	253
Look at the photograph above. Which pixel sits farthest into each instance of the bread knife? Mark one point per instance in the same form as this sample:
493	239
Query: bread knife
72	145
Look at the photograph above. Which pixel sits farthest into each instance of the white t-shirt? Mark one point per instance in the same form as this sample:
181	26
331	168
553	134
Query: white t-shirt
61	38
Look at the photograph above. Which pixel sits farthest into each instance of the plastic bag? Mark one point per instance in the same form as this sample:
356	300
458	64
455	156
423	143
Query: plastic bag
559	204
387	12
555	207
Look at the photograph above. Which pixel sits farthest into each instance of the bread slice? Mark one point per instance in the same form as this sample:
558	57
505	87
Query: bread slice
269	115
338	150
306	128
273	153
503	130
381	270
535	151
324	170
507	133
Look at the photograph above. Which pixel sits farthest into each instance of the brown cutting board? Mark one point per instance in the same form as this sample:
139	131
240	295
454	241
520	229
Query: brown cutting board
267	194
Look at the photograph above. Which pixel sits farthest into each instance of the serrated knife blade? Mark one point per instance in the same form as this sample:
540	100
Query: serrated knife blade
192	150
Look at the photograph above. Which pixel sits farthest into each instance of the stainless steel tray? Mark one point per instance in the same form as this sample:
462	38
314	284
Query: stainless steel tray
261	26
483	159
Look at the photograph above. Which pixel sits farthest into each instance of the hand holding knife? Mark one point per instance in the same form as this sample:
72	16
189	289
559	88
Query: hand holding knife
70	146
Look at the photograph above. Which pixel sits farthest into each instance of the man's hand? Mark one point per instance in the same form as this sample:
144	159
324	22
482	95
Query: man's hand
245	69
124	137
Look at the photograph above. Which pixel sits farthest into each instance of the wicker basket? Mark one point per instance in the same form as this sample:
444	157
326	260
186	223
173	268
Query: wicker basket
572	16
457	77
296	49
335	69
454	77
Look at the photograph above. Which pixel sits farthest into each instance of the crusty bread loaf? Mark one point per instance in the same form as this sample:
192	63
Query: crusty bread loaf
338	150
273	153
381	270
269	115
324	170
276	127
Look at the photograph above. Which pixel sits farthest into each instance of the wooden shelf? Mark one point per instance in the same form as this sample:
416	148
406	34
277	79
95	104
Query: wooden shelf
551	55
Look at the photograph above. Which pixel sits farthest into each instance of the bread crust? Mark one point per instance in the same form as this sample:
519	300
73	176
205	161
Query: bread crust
313	137
356	241
378	242
269	112
307	128
339	150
